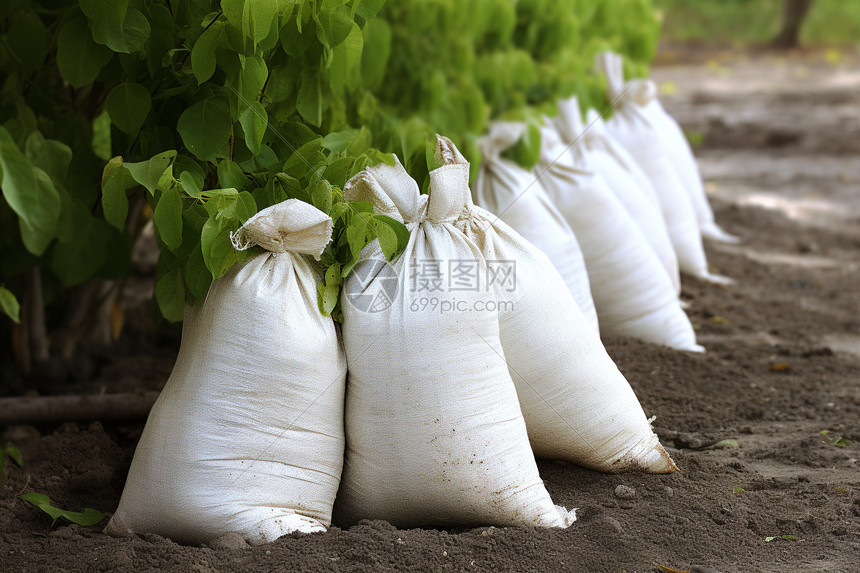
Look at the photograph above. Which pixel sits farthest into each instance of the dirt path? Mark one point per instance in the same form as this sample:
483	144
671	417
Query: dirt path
744	421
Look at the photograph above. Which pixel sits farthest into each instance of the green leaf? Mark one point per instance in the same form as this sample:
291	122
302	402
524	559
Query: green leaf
101	142
330	294
205	128
252	78
128	105
77	257
28	40
79	58
281	84
338	171
10	305
338	210
162	39
33	198
197	276
147	173
114	200
309	102
35	240
338	141
245	207
257	18
303	159
190	183
230	175
387	240
106	18
367	9
374	56
333	275
336	25
86	517
51	156
136	30
726	444
254	121
356	235
233	10
168	218
203	52
13	452
170	295
218	251
399	229
321	196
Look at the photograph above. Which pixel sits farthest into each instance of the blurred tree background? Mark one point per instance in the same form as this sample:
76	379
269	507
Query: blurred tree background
757	22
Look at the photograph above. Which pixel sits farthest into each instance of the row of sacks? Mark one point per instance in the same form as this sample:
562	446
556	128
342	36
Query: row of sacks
618	206
457	364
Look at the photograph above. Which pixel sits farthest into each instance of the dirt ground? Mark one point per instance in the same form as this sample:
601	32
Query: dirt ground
779	147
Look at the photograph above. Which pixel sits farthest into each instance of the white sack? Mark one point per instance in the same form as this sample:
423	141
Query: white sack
640	203
435	435
633	293
688	171
577	405
597	137
514	195
632	125
247	434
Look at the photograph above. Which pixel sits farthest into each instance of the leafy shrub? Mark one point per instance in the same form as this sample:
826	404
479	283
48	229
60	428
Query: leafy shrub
197	114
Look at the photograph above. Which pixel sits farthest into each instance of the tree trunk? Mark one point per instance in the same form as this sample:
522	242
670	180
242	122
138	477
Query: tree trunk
55	409
793	14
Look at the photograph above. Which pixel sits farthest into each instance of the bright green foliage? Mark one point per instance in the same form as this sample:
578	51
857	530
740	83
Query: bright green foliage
207	111
87	517
460	63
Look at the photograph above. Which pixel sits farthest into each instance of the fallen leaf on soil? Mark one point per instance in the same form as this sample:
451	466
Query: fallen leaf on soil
88	516
720	320
668	569
780	366
786	537
726	444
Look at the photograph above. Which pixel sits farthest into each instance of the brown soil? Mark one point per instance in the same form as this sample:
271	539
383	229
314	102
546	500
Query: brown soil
782	365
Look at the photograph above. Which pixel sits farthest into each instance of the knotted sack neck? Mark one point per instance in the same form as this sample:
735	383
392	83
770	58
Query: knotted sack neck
639	92
290	226
391	190
450	196
395	194
569	121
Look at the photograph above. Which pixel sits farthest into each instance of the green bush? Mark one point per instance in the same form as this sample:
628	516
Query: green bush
199	113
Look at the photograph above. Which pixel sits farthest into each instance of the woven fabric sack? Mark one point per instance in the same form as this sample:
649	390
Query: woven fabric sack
247	434
516	196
